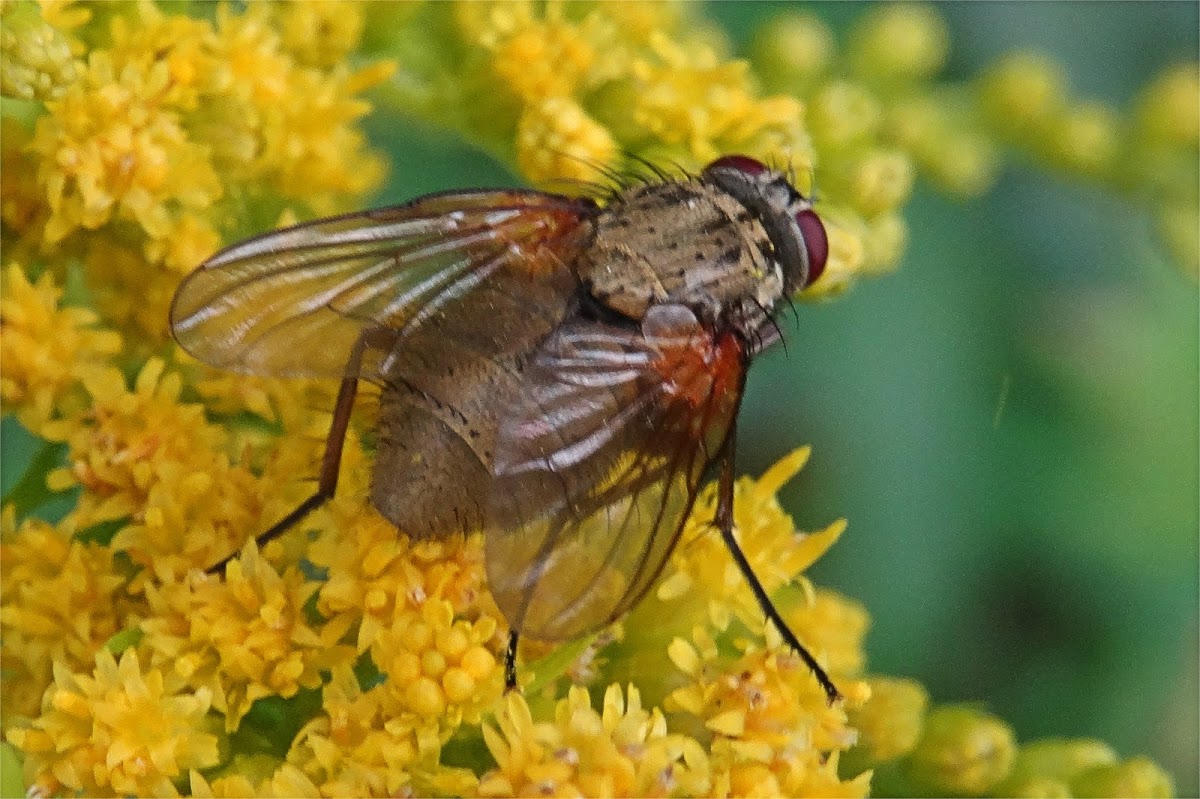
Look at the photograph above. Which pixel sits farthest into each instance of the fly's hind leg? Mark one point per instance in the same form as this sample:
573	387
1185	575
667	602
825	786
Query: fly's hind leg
724	521
510	662
330	462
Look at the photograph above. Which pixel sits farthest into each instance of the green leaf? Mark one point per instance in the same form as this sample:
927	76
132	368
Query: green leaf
554	665
123	640
31	492
367	673
273	722
101	533
12	784
466	749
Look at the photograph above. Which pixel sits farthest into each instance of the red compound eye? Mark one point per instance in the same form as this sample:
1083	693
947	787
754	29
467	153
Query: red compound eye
815	241
745	163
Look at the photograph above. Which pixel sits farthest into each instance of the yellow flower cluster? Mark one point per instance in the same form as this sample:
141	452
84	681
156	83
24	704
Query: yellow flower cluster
776	550
771	729
345	659
60	600
119	731
157	142
242	637
153	463
45	348
573	93
569	92
36	62
364	744
623	750
874	117
376	577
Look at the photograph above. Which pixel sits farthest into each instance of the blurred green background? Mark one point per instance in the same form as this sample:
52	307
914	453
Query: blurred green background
1009	422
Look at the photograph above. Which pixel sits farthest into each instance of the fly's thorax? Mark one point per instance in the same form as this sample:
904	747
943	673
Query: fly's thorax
686	242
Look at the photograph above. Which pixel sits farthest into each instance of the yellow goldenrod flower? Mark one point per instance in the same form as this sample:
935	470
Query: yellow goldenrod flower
165	116
767	718
296	124
111	152
1085	139
546	59
116	732
356	746
878	181
320	34
486	24
376	575
964	164
440	669
792	49
829	623
60	600
231	787
950	151
182	45
46	349
1152	155
305	141
143	456
844	114
227	394
623	750
558	141
36	62
884	240
889	723
364	744
1021	93
899	42
242	637
701	565
705	108
69	17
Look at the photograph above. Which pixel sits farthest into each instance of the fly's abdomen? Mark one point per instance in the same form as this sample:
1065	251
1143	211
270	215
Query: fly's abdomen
446	387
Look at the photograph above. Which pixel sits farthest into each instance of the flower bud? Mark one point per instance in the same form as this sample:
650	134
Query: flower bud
900	41
963	752
889	724
1136	777
1022	91
1045	767
792	49
1169	108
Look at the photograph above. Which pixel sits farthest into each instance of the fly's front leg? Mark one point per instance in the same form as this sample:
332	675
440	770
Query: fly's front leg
331	461
724	521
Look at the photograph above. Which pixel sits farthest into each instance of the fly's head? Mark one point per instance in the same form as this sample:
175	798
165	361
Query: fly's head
799	245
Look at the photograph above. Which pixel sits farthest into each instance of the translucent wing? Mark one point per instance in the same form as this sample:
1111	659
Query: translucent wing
294	302
597	466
